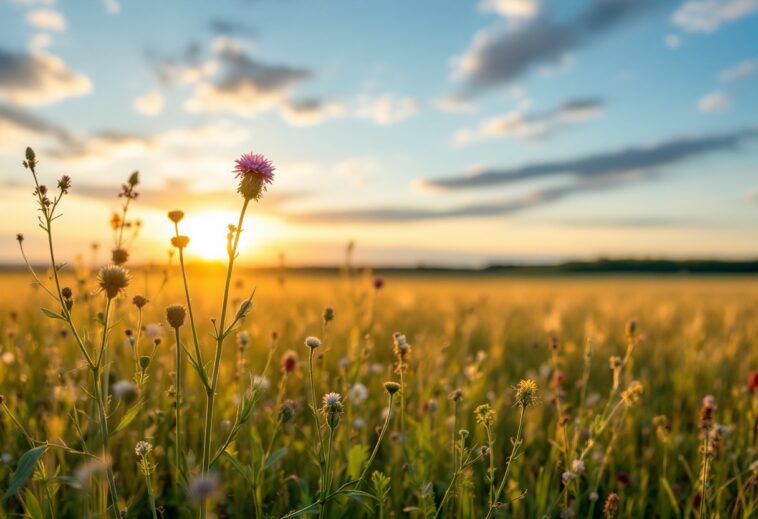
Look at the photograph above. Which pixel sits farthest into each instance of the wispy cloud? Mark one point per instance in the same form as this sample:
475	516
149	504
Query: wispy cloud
503	54
46	19
741	70
714	102
709	15
603	164
523	124
150	104
511	8
387	109
18	127
38	78
308	112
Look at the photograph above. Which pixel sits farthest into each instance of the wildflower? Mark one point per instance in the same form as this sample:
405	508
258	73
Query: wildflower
142	448
140	301
484	415
175	315
31	158
594	496
706	412
119	256
567	477
261	382
378	283
752	381
244	308
180	242
358	393
287	410
328	314
202	488
526	393
175	216
313	342
64	184
577	466
632	393
401	346
125	390
631	329
359	423
289	362
391	387
611	507
255	172
243	339
154	331
332	408
456	395
113	280
67	293
19	237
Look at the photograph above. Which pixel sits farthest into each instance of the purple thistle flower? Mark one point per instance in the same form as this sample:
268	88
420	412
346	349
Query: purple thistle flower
254	171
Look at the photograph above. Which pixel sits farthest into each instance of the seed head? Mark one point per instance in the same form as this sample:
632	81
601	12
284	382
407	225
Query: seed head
140	301
20	238
484	415
176	216
119	256
577	466
456	395
313	342
400	346
255	172
244	308
526	393
64	184
142	448
180	242
632	393
378	283
287	410
67	293
328	314
612	503
391	387
113	280
332	408
175	315
289	362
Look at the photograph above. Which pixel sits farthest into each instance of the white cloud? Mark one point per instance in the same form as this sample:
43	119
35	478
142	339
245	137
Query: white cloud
522	124
40	41
111	6
38	78
150	104
709	15
741	70
672	41
752	196
511	8
311	111
46	19
714	102
360	170
387	109
454	104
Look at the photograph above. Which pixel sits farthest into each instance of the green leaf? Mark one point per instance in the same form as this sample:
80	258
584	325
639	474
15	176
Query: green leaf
24	469
670	494
129	416
275	456
356	459
32	505
239	468
53	315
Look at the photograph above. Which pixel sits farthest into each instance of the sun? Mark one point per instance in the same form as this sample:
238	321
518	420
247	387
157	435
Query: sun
207	231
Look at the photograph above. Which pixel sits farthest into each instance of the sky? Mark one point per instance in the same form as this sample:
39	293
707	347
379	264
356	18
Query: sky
437	132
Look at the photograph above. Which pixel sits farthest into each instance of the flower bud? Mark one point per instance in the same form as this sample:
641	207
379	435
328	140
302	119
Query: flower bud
180	242
175	315
176	216
391	387
312	342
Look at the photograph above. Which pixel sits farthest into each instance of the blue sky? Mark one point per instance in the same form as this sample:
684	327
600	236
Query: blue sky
435	132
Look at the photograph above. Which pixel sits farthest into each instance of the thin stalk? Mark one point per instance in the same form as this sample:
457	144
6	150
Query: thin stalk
514	451
491	471
178	403
378	441
315	409
198	356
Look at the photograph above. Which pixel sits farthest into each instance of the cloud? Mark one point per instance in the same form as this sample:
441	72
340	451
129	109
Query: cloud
46	19
672	41
741	70
501	207
714	102
387	109
245	86
185	68
37	78
361	171
150	104
622	162
708	15
309	112
112	7
522	124
19	127
503	54
752	196
511	8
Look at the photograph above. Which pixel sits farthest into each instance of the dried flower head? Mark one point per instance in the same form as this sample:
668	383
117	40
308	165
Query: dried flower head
119	256
175	315
113	280
612	503
378	283
313	342
358	393
142	448
632	393
332	408
391	387
67	293
176	216
484	415
456	395
255	172
180	242
400	346
140	301
64	184
289	362
328	314
526	393
287	410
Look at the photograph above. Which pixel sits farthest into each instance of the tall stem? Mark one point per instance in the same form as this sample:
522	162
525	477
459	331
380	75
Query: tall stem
378	441
315	417
221	334
178	403
514	451
198	356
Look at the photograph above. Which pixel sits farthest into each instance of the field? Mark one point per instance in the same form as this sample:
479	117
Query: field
620	423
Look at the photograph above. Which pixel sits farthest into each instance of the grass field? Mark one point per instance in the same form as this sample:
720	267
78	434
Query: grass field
655	446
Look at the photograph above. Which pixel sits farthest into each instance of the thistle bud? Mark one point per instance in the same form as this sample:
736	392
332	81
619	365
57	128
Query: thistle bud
139	301
144	362
66	293
391	387
175	315
328	314
113	280
287	410
175	216
119	256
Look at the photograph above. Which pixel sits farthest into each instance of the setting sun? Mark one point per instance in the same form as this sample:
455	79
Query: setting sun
208	229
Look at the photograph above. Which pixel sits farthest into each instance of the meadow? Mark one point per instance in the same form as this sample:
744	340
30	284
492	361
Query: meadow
203	391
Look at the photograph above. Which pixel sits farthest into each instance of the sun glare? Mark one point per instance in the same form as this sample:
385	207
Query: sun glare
208	229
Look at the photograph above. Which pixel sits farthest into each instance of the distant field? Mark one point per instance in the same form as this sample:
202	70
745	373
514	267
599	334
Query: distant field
648	443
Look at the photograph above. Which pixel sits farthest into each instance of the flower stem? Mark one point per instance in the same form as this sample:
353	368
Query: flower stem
178	403
378	442
514	452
